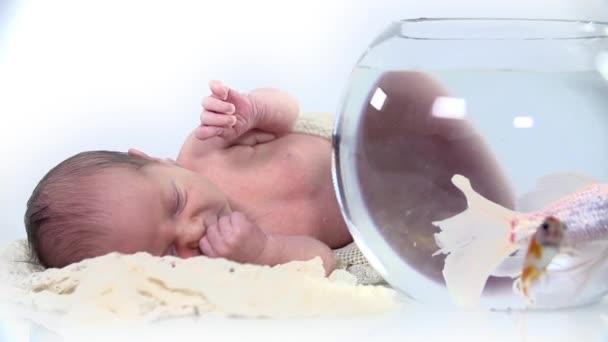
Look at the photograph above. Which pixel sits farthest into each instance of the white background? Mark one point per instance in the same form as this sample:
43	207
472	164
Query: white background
81	75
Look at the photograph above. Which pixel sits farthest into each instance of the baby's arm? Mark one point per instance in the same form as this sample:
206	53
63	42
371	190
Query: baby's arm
281	249
237	238
229	114
276	110
233	118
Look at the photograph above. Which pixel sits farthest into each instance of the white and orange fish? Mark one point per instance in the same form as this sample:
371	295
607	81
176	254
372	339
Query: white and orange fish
489	240
544	245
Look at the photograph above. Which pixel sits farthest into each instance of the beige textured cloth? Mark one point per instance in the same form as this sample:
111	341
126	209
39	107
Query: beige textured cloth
319	124
349	257
122	288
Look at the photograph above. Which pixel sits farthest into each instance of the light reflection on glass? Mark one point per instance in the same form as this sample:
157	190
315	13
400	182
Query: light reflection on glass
588	27
601	64
449	108
523	122
378	99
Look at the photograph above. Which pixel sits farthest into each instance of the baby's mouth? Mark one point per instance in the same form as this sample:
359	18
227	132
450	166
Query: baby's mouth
172	251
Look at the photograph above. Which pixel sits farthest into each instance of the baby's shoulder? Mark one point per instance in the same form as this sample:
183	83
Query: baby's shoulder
199	162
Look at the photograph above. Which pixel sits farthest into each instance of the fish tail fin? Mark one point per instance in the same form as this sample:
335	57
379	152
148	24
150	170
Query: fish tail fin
476	241
528	276
521	287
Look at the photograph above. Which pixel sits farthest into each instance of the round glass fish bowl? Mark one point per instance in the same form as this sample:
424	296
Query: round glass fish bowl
470	160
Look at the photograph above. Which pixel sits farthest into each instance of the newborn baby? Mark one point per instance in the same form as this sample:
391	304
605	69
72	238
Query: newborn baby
243	188
246	186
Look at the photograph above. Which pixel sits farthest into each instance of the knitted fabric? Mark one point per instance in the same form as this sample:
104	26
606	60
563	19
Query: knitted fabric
348	257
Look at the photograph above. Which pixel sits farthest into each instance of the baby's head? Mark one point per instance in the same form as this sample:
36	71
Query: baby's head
99	202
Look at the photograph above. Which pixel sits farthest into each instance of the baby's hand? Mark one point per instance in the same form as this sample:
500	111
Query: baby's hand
226	113
234	237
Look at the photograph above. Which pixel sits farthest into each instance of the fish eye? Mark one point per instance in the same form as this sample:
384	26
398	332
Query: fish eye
545	226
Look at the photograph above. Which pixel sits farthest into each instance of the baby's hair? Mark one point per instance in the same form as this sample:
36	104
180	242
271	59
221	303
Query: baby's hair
63	217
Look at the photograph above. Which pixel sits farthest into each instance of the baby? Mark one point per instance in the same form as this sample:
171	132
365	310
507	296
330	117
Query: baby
244	188
251	186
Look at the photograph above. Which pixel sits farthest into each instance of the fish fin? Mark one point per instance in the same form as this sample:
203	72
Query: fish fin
569	251
543	279
575	273
476	241
521	289
551	188
511	267
570	259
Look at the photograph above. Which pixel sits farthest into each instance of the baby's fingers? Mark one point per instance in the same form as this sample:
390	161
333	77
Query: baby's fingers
206	248
206	132
219	90
214	105
216	241
217	120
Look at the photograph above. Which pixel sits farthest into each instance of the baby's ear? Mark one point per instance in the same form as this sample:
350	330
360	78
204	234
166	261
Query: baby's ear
171	161
137	153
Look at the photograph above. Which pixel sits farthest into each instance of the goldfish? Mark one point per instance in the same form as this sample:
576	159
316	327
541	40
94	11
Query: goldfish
488	239
544	246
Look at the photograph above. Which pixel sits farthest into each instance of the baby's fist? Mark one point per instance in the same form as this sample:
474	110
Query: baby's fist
234	237
226	113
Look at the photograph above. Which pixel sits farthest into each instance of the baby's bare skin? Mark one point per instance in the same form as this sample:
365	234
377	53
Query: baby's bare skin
279	183
283	185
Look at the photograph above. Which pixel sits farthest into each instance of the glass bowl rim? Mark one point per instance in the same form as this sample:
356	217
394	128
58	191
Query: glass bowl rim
591	35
